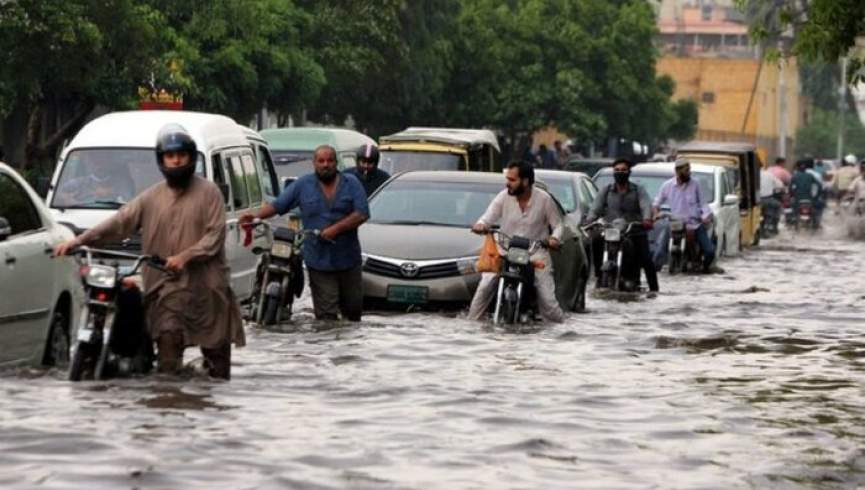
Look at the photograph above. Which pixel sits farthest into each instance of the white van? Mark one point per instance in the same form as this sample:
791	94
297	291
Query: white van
113	159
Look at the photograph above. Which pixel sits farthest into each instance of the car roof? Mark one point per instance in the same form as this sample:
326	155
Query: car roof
718	146
138	129
662	168
308	139
445	135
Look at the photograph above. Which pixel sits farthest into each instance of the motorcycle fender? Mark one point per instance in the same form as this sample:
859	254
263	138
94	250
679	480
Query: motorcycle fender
273	289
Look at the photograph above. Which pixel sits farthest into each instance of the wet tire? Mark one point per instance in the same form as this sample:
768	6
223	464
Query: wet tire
57	344
271	311
675	264
83	362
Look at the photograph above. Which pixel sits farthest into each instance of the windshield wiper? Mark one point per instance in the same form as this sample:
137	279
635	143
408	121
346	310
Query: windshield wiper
109	203
418	223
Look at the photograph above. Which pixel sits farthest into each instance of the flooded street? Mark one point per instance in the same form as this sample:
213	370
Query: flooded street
750	379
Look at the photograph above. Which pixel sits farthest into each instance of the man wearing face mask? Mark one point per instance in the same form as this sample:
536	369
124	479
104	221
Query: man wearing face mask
334	203
686	202
183	220
367	171
626	200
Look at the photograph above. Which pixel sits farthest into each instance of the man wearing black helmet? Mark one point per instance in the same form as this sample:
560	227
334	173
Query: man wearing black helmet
183	220
367	171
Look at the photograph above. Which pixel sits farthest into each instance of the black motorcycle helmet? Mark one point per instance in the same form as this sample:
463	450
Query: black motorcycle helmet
369	153
174	138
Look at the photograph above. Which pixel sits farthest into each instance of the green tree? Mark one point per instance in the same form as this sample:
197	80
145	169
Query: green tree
819	137
823	30
63	58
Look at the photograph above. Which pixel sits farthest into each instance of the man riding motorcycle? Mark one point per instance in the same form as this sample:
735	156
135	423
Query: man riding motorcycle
629	201
367	171
525	211
805	186
683	195
771	192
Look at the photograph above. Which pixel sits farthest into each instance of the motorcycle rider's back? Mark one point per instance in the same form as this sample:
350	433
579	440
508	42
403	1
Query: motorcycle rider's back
521	210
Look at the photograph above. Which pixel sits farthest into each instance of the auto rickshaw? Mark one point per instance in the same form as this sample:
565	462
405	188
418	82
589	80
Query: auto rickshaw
440	149
745	162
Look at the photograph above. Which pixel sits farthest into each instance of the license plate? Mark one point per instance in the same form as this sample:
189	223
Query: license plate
408	294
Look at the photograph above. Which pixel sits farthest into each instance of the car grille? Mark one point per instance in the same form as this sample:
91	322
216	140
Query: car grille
433	271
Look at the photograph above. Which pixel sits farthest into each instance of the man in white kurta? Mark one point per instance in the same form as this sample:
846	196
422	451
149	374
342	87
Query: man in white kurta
523	210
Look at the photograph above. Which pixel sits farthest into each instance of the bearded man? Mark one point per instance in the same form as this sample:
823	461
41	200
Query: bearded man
335	203
183	220
524	210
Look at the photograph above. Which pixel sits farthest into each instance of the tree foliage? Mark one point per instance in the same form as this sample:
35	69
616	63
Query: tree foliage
823	30
820	136
585	66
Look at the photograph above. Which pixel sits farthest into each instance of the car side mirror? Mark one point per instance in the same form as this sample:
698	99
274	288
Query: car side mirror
731	200
5	229
286	181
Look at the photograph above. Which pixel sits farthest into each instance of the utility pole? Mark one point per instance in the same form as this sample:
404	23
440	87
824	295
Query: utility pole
842	108
782	107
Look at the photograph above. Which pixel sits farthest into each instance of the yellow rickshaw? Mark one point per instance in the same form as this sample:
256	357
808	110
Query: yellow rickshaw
440	149
745	162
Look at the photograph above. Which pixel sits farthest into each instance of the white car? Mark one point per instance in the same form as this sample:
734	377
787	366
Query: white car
716	185
40	296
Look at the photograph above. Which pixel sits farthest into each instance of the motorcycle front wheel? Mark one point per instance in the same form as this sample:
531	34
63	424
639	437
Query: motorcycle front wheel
83	362
271	311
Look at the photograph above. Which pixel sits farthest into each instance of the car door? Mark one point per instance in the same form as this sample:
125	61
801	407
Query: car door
25	274
730	212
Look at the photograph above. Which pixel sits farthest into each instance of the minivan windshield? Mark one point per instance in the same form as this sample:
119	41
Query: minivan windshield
432	203
401	161
292	163
107	178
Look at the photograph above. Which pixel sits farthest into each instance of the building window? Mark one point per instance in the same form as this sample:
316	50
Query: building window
708	97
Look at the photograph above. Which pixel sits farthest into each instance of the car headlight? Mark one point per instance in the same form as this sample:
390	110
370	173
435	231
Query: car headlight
102	276
281	249
467	265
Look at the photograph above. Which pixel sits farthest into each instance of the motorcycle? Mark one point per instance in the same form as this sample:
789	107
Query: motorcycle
615	235
98	351
279	280
770	216
685	252
803	217
516	298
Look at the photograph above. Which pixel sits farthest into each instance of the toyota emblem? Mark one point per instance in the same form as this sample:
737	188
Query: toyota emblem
409	269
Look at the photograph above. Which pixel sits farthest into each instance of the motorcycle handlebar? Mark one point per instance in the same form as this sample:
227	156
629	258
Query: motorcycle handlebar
154	261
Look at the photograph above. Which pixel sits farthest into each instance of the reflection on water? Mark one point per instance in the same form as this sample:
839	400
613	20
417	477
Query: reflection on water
750	379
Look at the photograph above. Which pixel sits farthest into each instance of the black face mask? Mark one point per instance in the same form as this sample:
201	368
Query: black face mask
178	177
621	177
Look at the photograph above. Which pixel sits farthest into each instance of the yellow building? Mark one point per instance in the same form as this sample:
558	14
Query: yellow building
724	89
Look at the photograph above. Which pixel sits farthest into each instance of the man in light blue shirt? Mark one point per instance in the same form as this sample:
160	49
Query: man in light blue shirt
335	203
682	194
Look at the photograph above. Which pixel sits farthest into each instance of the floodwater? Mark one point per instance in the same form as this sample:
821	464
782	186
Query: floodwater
750	379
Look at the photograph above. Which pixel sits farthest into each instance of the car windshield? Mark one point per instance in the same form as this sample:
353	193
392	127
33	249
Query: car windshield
653	183
400	161
440	203
291	163
563	191
107	178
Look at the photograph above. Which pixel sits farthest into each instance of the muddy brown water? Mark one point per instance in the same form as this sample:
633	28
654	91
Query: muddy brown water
754	378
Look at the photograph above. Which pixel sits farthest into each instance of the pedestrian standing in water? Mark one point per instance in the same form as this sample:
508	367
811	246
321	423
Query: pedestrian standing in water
182	219
367	171
335	203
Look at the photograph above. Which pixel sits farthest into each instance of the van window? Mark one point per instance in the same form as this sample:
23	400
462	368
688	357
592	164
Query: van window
253	184
107	178
219	177
349	160
269	182
238	186
16	207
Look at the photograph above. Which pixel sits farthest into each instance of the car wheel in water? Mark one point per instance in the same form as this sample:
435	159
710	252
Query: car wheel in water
57	344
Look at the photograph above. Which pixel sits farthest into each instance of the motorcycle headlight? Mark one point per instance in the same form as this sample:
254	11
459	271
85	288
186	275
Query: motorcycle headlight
677	226
467	266
612	234
281	249
102	276
518	256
